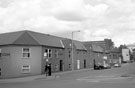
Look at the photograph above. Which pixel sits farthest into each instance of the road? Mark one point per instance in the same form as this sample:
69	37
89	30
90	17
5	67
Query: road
109	78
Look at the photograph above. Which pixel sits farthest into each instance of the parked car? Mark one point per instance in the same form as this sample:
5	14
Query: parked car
116	65
98	67
107	66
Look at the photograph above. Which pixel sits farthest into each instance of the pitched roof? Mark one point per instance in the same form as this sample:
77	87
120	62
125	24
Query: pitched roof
30	38
25	39
77	44
93	46
34	38
97	48
9	38
115	50
46	39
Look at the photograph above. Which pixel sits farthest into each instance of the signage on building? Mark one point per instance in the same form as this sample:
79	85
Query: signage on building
5	54
105	57
60	53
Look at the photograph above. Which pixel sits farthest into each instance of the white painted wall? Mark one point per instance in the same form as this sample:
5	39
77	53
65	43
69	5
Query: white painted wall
125	54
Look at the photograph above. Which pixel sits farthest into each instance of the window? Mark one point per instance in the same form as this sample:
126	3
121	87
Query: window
90	47
84	52
25	68
47	53
69	53
0	52
56	53
26	52
70	66
0	71
50	53
56	67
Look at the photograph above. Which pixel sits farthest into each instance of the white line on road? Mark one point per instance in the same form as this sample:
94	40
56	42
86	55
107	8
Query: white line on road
101	78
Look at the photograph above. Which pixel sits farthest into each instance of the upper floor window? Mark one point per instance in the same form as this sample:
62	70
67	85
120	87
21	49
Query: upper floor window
26	52
84	52
0	52
47	53
69	54
90	48
56	53
0	71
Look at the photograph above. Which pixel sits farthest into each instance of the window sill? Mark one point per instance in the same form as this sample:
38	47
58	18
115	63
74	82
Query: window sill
25	57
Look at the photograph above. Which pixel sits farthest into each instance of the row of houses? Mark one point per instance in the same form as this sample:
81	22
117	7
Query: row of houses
25	53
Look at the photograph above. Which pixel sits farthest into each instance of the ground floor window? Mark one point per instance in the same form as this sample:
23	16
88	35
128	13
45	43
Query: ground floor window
25	68
70	67
0	52
0	71
56	67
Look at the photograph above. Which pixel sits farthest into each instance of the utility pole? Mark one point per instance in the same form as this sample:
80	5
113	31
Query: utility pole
73	49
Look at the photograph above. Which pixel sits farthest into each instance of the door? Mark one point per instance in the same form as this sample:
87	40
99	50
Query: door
84	63
0	71
78	64
61	65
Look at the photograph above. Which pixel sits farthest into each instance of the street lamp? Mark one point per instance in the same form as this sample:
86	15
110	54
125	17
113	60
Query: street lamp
73	49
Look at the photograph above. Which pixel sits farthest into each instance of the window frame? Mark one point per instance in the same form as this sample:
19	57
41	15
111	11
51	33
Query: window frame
24	52
69	54
0	53
0	71
69	66
56	54
48	54
25	69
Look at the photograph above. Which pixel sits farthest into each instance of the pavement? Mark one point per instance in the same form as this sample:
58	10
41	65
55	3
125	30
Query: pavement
41	77
86	78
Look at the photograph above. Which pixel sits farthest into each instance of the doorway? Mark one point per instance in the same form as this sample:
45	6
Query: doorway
84	63
0	71
78	64
61	65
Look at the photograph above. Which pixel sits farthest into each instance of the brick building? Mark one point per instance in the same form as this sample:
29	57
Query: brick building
25	53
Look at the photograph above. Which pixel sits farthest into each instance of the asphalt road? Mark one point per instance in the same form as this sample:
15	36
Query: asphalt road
110	78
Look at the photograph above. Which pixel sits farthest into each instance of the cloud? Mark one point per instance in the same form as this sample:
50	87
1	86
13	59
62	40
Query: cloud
70	16
101	33
77	10
97	19
126	37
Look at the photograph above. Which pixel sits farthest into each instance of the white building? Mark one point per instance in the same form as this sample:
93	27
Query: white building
125	54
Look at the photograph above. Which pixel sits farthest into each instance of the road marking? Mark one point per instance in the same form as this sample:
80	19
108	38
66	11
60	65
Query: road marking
101	78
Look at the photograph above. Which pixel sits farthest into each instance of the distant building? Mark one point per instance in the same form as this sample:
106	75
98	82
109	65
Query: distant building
125	55
104	49
96	53
115	56
106	44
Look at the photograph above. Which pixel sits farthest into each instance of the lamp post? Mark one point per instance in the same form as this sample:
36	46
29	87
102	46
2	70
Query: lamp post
73	49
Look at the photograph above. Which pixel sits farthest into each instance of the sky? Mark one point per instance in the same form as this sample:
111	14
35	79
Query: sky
96	19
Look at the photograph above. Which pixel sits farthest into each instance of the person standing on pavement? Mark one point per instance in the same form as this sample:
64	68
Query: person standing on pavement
46	69
49	70
94	62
